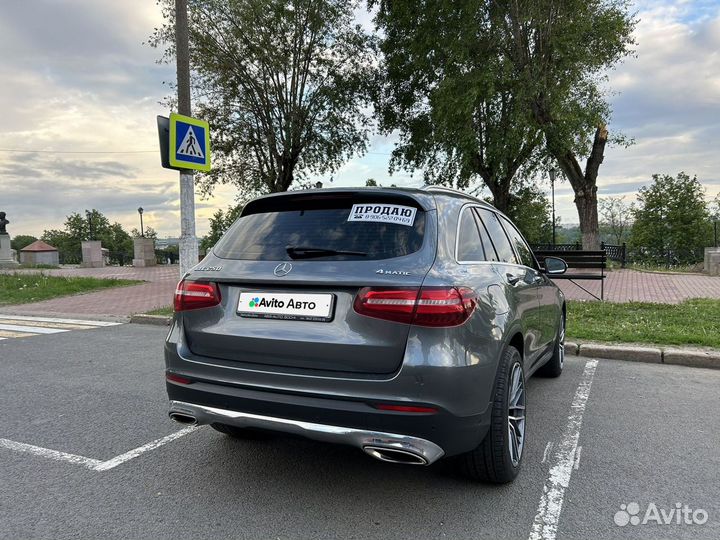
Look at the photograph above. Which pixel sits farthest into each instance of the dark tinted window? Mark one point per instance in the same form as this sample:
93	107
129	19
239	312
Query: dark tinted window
490	254
497	236
521	248
267	235
469	246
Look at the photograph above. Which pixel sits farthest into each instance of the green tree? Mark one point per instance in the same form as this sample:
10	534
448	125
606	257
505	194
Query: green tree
149	233
531	211
448	90
21	241
615	218
562	52
92	225
671	216
219	223
371	182
285	85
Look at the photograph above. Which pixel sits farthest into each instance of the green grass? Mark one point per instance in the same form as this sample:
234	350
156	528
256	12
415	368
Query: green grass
21	288
167	310
694	322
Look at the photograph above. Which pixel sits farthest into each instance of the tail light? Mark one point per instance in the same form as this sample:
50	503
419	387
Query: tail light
426	306
196	295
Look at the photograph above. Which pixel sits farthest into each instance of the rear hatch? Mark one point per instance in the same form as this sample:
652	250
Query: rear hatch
291	268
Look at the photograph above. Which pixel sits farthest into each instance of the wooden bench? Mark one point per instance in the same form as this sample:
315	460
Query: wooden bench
578	260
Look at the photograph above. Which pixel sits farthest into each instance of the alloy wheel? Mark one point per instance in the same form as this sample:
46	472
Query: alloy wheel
516	414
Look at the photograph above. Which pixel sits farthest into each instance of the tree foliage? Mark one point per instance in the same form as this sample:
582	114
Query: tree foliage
671	217
562	51
451	93
219	223
474	88
615	218
284	85
21	241
531	211
94	225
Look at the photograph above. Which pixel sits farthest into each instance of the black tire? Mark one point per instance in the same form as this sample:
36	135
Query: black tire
491	461
239	433
554	366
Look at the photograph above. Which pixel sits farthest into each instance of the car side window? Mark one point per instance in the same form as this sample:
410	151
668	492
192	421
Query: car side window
469	247
521	247
490	254
497	235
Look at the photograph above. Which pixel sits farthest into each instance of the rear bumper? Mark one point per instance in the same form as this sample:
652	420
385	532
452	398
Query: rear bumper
353	422
372	442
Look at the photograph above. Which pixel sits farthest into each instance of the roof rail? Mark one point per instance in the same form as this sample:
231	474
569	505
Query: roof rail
434	187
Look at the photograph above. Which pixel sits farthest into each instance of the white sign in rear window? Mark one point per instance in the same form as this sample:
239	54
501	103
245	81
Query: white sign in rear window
383	213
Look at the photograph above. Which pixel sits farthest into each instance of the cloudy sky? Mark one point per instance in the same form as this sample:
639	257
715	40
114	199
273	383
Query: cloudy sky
80	91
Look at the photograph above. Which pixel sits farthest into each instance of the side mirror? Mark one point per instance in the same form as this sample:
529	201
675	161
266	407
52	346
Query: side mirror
555	265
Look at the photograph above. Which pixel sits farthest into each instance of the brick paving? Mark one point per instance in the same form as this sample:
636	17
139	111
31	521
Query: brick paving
631	285
620	286
120	302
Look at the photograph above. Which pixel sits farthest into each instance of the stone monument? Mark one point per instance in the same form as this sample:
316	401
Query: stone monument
92	255
6	257
144	252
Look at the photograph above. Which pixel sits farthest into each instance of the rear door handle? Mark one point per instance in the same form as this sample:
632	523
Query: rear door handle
513	279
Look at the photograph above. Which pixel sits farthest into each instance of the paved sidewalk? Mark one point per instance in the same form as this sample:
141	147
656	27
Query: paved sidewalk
631	285
117	302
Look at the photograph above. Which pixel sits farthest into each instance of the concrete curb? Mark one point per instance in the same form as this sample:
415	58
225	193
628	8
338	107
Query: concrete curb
634	353
157	320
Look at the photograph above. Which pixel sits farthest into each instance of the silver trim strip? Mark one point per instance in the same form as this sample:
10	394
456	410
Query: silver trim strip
360	438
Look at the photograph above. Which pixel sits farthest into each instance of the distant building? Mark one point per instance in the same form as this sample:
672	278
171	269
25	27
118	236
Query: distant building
39	253
164	243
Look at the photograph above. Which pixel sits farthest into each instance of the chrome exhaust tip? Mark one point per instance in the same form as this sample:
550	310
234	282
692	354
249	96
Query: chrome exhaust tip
184	419
393	455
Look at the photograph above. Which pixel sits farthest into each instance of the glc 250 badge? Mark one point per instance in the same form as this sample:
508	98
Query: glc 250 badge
392	272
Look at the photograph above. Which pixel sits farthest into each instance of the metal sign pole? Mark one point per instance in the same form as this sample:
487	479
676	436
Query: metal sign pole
188	240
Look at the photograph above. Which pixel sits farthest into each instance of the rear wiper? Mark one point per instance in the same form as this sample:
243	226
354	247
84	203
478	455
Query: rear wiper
305	252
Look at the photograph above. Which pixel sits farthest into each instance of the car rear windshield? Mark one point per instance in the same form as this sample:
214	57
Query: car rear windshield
283	232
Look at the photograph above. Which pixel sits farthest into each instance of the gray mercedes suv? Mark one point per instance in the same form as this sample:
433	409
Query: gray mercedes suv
403	322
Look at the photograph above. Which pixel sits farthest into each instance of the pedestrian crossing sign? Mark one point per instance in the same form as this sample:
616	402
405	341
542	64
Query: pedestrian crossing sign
189	143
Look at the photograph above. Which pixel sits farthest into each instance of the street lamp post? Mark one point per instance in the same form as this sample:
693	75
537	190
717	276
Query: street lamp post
88	214
142	229
551	172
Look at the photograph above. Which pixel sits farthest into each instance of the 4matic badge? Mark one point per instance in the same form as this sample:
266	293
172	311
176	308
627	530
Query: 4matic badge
392	272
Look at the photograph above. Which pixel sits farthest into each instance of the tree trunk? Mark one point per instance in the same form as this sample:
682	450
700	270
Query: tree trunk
586	204
501	195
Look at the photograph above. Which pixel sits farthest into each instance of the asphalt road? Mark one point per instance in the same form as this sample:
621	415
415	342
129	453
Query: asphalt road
649	434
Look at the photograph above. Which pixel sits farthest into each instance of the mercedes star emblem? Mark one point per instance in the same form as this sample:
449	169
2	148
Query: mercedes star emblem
282	269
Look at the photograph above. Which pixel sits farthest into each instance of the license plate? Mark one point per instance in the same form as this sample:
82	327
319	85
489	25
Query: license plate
288	306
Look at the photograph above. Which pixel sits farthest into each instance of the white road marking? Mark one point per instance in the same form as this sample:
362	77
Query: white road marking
132	454
32	329
56	320
546	453
577	458
93	464
50	454
548	515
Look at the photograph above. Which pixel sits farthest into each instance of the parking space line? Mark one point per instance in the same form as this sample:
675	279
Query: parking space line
548	515
132	454
90	463
50	454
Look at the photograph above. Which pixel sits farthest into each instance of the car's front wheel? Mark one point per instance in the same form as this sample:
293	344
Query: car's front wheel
498	457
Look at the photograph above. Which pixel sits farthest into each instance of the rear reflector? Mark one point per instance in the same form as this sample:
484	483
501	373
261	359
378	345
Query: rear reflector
177	379
426	306
405	408
196	295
